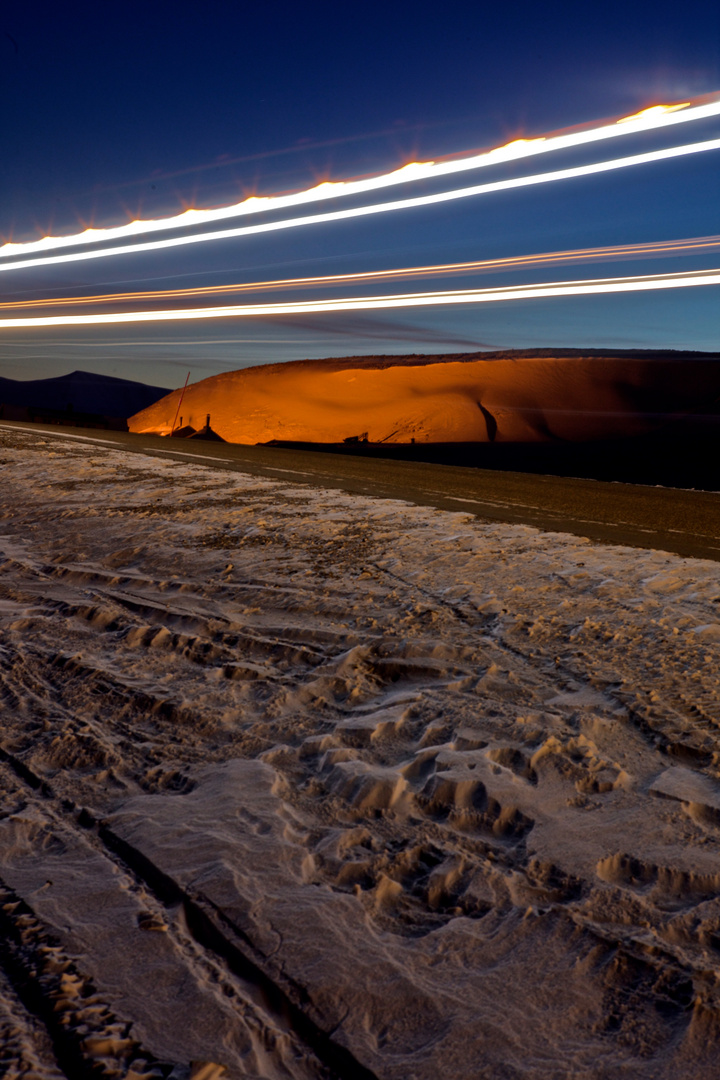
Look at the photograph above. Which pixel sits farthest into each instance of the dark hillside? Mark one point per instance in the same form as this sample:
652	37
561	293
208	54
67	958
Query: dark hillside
83	392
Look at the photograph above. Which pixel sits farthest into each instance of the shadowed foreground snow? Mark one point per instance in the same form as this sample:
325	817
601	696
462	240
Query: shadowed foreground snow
303	784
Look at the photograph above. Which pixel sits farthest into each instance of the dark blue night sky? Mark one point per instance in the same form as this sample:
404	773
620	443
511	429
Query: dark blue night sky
117	111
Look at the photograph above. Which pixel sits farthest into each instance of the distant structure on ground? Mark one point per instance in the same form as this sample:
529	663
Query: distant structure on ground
207	433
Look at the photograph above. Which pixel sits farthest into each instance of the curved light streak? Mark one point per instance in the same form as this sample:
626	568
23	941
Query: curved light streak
689	279
374	208
657	116
695	245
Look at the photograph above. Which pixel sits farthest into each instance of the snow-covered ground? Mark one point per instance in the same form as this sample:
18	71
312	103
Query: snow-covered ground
505	398
303	784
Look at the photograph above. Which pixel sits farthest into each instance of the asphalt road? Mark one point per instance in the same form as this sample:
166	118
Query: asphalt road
669	519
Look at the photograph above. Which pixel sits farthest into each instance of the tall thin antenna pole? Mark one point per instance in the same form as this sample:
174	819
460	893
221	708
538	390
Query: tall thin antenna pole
180	403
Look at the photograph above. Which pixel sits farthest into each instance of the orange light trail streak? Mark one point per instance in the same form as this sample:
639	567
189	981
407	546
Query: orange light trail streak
653	118
695	245
375	208
642	283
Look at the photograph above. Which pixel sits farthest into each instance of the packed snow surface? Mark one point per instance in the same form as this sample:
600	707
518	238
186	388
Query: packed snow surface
526	399
303	784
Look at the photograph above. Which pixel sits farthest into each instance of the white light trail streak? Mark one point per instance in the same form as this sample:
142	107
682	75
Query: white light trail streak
375	208
656	117
643	283
653	249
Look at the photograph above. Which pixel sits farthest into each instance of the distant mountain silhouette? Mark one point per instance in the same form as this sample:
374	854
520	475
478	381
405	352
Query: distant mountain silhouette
83	392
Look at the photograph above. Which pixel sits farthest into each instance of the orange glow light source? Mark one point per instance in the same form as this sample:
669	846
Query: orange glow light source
653	110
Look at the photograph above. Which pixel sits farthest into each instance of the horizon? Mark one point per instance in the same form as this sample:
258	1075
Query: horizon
450	357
